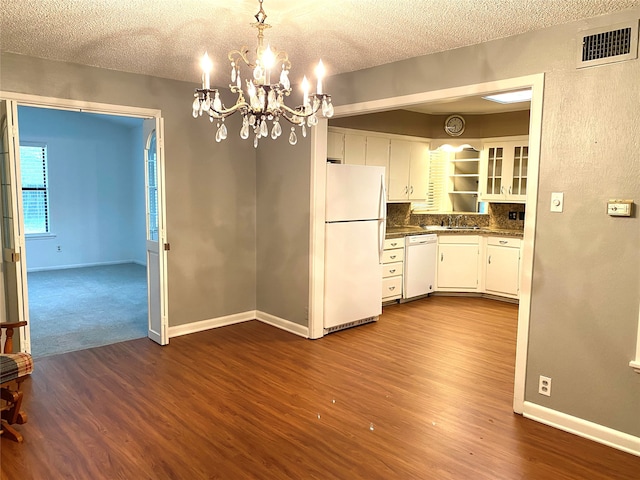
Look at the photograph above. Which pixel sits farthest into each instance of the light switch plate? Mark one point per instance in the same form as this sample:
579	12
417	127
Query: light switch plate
557	201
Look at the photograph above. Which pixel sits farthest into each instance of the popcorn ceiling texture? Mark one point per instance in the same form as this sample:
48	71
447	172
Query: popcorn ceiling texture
166	38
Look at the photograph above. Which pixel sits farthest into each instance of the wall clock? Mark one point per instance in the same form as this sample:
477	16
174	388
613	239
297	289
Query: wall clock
454	125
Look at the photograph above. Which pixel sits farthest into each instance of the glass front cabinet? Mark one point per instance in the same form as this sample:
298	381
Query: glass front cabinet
504	171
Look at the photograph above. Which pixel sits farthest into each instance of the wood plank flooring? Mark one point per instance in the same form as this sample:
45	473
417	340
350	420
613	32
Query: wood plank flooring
425	393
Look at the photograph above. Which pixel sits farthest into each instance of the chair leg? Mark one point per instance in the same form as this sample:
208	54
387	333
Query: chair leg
14	399
10	432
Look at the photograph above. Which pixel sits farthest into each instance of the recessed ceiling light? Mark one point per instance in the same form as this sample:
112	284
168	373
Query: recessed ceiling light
510	97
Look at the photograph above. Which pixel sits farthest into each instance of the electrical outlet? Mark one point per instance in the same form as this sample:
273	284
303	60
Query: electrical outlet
544	386
521	216
59	248
513	215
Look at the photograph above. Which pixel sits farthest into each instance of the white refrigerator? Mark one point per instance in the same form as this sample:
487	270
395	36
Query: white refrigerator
354	240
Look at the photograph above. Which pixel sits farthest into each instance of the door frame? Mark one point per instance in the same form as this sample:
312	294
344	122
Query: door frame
318	183
23	99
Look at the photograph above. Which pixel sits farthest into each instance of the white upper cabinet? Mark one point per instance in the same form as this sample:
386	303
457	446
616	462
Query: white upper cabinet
355	149
335	146
408	171
504	171
378	152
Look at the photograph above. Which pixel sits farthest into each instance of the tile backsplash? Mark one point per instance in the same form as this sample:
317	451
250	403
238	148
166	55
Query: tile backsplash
497	216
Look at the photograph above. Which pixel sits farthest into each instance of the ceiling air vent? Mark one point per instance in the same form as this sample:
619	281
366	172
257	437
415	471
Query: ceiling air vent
608	44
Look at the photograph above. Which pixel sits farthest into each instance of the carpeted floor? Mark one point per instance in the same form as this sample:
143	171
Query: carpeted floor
80	308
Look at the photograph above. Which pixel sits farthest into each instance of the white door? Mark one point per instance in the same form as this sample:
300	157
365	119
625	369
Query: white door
156	240
13	246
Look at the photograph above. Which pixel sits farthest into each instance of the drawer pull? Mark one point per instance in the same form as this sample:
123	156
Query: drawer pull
392	288
394	244
393	256
503	242
392	271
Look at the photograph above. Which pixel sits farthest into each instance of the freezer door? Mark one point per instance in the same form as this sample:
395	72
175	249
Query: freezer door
353	274
354	192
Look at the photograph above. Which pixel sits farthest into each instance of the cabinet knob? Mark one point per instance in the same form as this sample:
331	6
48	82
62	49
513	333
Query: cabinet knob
489	259
441	257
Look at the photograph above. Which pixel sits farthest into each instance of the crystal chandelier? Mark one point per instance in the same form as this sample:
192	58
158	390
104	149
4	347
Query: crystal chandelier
263	100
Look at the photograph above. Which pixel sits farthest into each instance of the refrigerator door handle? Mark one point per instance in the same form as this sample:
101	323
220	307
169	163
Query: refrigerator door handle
382	201
382	215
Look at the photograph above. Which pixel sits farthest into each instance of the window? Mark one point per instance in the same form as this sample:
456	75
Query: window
436	188
35	194
152	189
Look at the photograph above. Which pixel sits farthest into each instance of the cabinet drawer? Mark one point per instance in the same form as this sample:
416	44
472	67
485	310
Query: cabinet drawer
392	269
395	255
473	239
391	287
504	241
390	243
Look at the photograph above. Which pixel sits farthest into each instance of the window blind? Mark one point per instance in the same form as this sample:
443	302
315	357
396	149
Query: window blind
436	187
35	198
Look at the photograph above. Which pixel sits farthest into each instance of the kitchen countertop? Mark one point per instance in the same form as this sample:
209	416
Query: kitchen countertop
405	230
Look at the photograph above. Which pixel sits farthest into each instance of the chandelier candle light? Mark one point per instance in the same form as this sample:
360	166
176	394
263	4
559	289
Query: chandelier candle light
265	99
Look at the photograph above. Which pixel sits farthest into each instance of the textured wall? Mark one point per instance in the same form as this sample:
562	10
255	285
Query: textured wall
404	122
586	275
210	188
283	176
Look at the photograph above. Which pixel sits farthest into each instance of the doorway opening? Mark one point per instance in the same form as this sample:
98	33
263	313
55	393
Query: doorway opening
86	266
92	273
318	180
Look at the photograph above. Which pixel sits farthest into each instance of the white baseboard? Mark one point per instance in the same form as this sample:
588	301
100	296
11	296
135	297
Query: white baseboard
203	325
79	265
583	428
283	324
267	318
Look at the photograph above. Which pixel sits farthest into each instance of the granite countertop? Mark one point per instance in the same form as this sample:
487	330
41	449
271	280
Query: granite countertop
404	230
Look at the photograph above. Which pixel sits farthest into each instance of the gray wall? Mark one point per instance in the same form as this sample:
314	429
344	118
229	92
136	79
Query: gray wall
404	122
283	189
586	285
210	188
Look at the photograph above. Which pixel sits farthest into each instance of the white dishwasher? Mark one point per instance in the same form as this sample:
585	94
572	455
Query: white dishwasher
420	265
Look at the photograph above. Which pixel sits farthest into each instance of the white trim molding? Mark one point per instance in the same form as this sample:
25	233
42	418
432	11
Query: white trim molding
282	324
235	318
635	364
583	428
203	325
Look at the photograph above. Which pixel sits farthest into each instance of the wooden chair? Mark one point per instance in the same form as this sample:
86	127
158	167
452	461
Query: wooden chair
14	369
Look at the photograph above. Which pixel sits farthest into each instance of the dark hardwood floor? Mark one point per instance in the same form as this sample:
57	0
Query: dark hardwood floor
425	393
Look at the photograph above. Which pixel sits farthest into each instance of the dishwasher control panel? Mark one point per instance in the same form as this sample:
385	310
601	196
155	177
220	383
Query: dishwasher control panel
418	239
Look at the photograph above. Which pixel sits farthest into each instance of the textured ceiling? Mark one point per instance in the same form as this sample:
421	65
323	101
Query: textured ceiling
166	38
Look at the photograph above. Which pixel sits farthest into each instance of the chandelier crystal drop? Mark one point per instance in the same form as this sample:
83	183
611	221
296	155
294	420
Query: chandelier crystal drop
262	101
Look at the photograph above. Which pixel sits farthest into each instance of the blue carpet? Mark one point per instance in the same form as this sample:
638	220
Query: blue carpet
80	308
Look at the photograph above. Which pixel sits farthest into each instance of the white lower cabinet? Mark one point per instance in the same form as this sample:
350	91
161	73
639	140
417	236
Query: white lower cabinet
392	269
458	263
502	266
